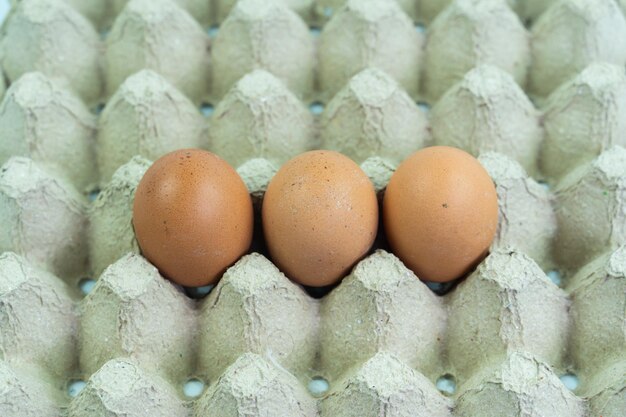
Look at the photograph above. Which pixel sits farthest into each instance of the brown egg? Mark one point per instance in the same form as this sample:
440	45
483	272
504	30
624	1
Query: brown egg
320	216
440	213
192	216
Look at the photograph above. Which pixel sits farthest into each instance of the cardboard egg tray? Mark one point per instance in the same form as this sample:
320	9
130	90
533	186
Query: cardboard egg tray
536	89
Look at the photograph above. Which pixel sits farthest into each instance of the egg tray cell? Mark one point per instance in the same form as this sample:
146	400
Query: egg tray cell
534	88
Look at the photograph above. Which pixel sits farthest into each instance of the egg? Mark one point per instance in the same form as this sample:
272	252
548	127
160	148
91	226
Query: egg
440	213
192	216
320	216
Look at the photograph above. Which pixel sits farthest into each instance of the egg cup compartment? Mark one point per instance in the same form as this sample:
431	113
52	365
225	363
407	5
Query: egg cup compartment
505	330
543	310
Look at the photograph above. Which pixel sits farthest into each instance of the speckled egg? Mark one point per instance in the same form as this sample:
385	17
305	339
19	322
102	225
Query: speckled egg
440	213
320	216
192	216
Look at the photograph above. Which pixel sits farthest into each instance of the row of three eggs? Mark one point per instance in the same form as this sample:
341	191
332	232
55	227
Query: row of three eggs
193	216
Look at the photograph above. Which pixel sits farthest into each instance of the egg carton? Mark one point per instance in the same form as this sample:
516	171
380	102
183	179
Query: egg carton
534	88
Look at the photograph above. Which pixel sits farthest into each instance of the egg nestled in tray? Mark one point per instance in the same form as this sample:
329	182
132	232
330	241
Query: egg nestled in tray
94	92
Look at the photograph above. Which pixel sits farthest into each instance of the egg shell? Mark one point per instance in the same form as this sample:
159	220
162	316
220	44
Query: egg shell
320	216
192	216
440	213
